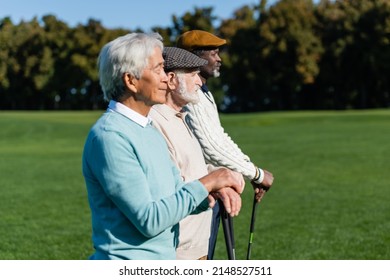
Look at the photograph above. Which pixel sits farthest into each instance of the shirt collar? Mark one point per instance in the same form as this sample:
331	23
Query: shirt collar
204	88
206	92
168	112
128	113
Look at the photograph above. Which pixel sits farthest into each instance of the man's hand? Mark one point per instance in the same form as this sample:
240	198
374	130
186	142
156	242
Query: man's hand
268	179
223	178
230	199
261	189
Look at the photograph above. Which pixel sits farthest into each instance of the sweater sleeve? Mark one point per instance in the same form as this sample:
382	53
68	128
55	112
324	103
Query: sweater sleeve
218	148
124	181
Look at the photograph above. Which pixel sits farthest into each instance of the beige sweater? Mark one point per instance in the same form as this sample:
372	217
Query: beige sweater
186	152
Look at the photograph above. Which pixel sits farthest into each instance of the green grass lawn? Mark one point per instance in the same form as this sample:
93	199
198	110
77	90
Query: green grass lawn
330	198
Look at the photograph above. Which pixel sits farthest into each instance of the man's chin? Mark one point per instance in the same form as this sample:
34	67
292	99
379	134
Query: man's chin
216	73
161	100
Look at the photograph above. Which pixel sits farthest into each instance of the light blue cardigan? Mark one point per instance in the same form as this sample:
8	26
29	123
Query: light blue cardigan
135	192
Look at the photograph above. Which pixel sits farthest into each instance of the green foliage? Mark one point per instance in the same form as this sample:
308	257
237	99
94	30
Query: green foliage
290	41
329	199
50	65
280	56
291	55
356	63
240	62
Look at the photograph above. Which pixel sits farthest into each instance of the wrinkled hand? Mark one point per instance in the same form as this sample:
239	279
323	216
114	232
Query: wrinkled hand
223	178
212	200
230	199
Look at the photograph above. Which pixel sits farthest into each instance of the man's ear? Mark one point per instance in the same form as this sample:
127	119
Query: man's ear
172	80
130	82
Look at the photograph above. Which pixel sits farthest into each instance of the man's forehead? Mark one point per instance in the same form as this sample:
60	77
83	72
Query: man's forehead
156	58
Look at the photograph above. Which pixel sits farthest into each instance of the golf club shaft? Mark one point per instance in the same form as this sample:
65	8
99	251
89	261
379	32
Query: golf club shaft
231	228
252	227
227	225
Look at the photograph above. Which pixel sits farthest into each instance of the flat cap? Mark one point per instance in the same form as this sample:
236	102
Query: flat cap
199	39
176	58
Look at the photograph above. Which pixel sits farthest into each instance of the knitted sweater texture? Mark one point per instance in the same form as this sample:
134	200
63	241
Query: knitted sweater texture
218	148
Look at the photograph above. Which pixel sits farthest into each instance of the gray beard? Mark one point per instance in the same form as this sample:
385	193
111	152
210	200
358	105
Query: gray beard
192	98
216	73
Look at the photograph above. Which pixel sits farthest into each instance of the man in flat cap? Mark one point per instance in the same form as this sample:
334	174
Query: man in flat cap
218	148
135	192
182	68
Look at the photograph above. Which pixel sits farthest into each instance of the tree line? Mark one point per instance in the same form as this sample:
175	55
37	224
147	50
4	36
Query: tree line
293	55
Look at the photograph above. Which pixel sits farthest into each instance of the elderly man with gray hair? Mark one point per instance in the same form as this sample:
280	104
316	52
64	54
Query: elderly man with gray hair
136	194
218	148
182	69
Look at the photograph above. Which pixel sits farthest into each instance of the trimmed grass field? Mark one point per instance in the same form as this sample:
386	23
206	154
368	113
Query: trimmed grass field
329	201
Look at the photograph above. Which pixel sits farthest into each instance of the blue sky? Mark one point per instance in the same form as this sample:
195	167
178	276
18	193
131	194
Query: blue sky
128	14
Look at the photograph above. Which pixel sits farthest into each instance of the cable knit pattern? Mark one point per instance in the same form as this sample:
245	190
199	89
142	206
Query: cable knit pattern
218	148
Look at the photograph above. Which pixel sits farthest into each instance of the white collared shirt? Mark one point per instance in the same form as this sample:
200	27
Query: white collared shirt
129	113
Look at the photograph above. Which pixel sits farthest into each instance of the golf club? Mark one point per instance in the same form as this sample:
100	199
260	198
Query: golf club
253	219
252	227
227	224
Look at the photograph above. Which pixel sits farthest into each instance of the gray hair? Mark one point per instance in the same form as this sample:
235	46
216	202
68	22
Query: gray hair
125	54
